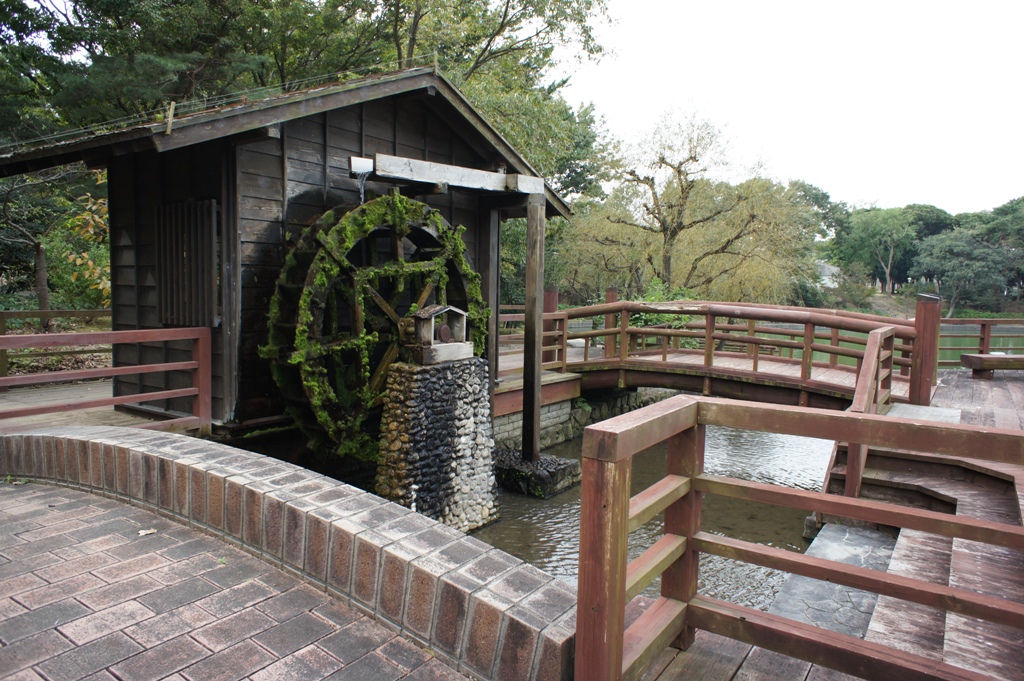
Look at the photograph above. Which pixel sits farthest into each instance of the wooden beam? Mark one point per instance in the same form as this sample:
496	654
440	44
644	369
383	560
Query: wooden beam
533	335
958	527
960	601
986	444
399	168
819	646
623	436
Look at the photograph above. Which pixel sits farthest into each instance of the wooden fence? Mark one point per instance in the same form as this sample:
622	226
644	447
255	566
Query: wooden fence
605	650
6	315
991	335
198	366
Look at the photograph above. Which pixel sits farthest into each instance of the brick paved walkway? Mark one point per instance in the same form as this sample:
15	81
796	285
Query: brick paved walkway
84	595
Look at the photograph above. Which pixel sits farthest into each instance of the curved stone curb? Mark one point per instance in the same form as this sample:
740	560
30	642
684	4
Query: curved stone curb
477	608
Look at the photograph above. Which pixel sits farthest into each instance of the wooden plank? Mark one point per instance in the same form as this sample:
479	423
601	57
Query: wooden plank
106	402
643	570
455	176
819	646
975	361
52	340
940	596
86	374
533	341
655	499
649	635
623	436
943	524
953	439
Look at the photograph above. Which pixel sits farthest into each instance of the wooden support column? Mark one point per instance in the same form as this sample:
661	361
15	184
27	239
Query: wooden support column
490	253
925	361
535	225
611	295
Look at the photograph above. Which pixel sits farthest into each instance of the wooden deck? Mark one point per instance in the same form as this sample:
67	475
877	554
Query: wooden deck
686	369
978	646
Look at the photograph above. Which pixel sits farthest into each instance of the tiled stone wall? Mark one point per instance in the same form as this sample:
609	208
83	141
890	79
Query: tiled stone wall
477	608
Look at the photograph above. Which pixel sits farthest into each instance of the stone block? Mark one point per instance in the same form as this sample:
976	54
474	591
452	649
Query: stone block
215	499
109	467
60	460
234	487
340	554
519	644
486	614
295	521
557	648
84	464
317	542
454	592
367	560
96	465
122	469
252	513
182	486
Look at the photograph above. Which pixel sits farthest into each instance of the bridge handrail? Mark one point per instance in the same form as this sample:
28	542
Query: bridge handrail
199	368
605	650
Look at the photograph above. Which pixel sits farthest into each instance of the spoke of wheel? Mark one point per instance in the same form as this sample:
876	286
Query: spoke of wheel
383	304
380	374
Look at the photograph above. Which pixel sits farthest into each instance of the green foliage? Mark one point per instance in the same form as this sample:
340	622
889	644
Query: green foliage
659	292
878	238
963	266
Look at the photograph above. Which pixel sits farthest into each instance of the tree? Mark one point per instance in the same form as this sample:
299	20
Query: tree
877	238
684	153
960	263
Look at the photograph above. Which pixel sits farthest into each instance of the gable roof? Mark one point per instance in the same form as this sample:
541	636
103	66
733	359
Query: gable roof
251	117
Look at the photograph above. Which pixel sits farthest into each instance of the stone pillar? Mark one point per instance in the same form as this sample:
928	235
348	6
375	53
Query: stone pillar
437	444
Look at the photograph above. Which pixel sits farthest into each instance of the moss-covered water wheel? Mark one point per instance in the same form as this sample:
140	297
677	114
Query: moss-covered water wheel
345	288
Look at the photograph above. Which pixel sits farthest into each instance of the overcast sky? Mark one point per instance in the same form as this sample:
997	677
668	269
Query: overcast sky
884	103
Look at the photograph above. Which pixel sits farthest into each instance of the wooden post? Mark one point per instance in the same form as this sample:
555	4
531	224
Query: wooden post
682	518
753	349
833	358
709	341
202	405
985	344
925	361
604	524
807	358
611	295
550	305
856	458
3	353
623	336
534	316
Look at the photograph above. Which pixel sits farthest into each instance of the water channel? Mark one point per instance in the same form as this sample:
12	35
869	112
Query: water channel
546	532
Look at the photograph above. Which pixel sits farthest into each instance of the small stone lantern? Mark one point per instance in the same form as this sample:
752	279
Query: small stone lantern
439	335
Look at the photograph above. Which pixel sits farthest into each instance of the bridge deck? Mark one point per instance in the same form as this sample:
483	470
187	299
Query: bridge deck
771	370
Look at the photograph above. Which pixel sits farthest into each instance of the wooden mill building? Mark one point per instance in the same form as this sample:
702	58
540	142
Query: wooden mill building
202	208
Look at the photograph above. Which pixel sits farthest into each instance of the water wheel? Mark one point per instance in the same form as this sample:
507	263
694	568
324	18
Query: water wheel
340	305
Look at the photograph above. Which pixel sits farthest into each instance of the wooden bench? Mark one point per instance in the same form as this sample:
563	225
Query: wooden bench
982	366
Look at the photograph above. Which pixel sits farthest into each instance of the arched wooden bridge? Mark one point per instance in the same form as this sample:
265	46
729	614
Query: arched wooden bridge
779	355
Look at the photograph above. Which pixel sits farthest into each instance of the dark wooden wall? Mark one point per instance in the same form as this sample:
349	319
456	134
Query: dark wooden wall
284	184
138	184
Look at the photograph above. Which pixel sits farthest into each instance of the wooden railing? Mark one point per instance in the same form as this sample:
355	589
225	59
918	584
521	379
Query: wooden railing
992	335
605	650
199	366
555	337
872	396
798	335
6	315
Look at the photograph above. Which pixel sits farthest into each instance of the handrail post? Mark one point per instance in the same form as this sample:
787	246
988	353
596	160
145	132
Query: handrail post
202	403
623	335
925	360
985	345
709	340
833	358
807	358
679	581
3	353
604	523
611	295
